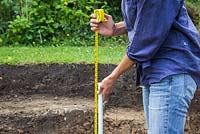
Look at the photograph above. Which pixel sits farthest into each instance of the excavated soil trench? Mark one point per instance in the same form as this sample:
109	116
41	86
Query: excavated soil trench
58	99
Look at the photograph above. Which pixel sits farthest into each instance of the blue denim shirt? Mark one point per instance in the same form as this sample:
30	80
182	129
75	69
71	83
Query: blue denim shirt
163	39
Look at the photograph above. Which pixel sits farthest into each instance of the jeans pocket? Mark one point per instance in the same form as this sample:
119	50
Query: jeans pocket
159	94
183	85
190	87
178	85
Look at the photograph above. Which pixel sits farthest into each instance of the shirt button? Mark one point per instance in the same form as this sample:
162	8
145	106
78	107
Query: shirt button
185	44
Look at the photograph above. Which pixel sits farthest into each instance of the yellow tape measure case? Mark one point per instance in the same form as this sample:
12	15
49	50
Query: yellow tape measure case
100	14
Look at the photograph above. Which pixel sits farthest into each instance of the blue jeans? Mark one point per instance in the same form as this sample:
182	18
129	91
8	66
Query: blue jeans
166	103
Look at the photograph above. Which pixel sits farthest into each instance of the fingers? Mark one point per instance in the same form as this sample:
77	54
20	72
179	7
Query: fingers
100	91
105	95
94	26
93	19
93	22
104	98
93	16
100	88
103	91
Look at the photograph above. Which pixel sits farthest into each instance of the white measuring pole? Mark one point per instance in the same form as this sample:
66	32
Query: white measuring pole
100	112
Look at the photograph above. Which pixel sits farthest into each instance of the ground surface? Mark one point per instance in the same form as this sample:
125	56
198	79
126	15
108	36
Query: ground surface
58	99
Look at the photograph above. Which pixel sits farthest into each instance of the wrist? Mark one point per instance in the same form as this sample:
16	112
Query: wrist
114	30
118	29
114	75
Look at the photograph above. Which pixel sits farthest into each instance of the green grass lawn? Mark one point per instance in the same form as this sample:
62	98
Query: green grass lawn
36	55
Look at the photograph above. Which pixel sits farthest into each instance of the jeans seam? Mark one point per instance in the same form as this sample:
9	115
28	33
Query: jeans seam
167	117
184	86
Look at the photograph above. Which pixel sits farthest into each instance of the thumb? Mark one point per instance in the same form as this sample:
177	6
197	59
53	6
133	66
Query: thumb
107	17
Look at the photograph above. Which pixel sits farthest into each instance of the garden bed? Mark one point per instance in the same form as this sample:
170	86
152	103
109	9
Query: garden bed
58	99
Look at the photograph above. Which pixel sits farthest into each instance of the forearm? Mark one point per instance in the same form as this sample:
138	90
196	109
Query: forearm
119	29
123	66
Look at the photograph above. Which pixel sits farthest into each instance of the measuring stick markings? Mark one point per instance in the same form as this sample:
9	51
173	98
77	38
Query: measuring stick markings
100	17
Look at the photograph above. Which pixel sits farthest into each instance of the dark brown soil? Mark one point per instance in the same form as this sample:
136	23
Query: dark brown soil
58	99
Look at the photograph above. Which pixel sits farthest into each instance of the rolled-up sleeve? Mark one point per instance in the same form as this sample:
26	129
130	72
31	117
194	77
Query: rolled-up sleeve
152	25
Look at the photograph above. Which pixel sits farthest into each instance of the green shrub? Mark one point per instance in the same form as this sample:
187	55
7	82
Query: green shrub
59	22
193	7
45	22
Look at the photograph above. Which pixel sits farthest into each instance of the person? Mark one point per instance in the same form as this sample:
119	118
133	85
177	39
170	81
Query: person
165	46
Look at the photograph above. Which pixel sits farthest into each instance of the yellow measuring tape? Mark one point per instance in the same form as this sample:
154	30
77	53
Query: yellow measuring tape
100	17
